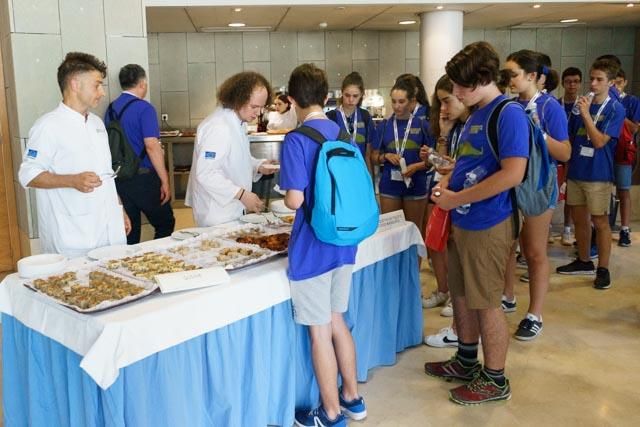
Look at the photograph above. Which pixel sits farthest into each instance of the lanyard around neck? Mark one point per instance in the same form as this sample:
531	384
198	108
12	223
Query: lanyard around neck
532	102
400	149
346	124
600	110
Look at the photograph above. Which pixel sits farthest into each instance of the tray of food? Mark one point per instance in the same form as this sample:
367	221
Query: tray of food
146	265
258	235
91	289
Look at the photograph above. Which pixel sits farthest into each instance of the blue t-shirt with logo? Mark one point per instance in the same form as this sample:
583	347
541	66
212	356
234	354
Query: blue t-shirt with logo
631	106
138	122
419	135
365	130
552	118
308	256
474	149
588	163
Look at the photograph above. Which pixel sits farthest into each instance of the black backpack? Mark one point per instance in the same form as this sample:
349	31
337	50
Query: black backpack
122	154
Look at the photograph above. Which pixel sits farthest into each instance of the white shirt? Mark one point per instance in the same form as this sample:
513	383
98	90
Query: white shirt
222	164
71	222
288	120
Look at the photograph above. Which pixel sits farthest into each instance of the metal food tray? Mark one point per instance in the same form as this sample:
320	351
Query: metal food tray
127	272
82	279
231	234
190	250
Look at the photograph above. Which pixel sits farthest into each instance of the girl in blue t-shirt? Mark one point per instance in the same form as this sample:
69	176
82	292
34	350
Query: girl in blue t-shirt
547	113
353	119
403	181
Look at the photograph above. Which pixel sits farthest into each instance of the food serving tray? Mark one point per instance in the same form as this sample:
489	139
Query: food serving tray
275	240
145	265
91	289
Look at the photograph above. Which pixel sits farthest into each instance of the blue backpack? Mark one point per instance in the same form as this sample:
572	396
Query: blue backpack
344	210
533	195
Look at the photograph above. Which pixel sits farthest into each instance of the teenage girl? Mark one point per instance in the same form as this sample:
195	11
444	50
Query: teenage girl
284	117
526	71
403	182
356	121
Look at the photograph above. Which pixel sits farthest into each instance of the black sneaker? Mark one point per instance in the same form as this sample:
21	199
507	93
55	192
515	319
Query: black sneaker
577	267
625	238
603	279
528	329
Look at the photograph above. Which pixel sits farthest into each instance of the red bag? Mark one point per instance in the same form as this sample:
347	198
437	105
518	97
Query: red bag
438	229
625	149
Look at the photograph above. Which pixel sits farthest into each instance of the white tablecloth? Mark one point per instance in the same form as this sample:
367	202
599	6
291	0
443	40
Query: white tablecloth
121	336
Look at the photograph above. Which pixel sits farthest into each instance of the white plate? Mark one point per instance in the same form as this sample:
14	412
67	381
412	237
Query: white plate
253	218
188	233
41	265
115	251
278	207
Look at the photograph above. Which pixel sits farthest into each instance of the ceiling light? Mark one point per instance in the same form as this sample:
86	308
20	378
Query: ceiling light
630	4
237	9
440	7
407	22
567	21
323	25
237	24
340	8
227	29
536	6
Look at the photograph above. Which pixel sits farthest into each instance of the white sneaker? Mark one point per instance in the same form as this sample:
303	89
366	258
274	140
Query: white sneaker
567	239
435	299
447	310
445	338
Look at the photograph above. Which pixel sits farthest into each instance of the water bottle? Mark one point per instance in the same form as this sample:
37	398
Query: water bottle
437	160
533	113
576	110
473	177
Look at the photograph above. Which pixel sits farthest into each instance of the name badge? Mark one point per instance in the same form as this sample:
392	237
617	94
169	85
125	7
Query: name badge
396	175
587	151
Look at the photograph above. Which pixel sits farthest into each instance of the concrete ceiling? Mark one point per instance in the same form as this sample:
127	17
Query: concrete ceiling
386	17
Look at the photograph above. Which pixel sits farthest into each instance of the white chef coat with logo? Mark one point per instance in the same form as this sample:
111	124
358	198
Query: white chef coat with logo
71	222
222	165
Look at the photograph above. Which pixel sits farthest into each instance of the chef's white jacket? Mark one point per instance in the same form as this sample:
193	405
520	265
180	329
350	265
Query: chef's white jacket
288	120
222	165
71	222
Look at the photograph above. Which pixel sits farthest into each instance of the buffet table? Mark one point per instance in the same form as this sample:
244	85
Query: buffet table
228	355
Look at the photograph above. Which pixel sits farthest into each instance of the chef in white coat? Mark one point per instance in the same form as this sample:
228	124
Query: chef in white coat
67	160
223	170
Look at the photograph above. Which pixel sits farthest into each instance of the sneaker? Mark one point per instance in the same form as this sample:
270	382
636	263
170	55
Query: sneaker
481	389
524	278
603	279
567	239
435	299
354	409
452	369
445	338
521	261
447	310
625	238
528	329
508	306
318	418
551	239
577	267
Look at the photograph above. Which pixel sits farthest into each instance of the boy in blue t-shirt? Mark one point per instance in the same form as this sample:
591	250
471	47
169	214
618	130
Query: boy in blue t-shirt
625	156
482	231
319	273
593	135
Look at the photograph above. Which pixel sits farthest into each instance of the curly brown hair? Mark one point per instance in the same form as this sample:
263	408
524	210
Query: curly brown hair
78	62
237	89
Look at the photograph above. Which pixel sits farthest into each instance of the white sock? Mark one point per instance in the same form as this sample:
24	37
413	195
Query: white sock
567	230
504	298
624	228
534	317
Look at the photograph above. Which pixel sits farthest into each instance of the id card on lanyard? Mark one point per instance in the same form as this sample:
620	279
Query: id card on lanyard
346	124
396	174
586	151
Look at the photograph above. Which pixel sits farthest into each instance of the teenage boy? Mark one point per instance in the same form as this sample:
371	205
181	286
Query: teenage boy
625	156
487	226
593	134
571	83
319	273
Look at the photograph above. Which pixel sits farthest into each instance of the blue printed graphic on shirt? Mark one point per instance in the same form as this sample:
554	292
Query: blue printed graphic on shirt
599	167
32	154
209	154
475	150
366	132
308	256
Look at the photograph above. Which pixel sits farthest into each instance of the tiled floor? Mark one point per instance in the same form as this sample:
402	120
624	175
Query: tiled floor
582	370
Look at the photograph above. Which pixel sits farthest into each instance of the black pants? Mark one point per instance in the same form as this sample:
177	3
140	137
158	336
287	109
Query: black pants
141	193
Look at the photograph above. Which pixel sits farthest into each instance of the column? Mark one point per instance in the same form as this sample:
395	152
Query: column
440	39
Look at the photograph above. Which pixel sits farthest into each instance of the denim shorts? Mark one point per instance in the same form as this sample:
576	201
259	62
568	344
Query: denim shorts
623	177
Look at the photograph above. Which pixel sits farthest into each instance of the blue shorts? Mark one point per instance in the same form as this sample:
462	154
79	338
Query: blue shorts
623	177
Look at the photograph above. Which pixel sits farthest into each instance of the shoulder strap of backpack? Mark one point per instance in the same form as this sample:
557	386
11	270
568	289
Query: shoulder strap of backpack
131	101
311	133
492	135
114	116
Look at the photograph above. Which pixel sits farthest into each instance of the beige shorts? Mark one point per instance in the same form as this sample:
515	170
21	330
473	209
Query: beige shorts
596	196
314	299
478	263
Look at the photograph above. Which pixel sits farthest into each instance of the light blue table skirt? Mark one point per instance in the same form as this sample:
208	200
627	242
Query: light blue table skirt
253	372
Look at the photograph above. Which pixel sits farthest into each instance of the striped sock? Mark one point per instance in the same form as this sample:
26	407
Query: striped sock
467	353
496	375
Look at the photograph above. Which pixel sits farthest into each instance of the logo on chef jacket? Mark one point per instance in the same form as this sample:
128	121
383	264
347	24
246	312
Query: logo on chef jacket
210	155
32	154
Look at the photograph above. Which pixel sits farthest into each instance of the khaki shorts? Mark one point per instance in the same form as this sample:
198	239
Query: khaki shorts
314	299
478	263
596	196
